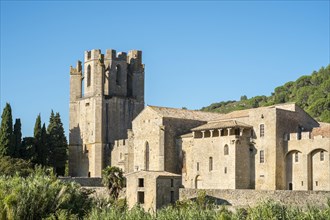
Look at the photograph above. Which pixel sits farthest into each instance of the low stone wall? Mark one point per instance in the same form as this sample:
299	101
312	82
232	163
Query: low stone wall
246	197
84	181
103	192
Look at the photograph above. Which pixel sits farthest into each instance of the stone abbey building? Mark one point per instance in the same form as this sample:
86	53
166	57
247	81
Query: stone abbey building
162	149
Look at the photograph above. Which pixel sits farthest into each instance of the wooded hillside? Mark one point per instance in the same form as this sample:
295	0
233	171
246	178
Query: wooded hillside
311	92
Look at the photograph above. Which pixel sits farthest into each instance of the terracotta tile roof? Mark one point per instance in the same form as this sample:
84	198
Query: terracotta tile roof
185	114
222	124
323	130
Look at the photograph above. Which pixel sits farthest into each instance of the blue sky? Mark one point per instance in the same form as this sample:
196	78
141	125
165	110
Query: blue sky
195	52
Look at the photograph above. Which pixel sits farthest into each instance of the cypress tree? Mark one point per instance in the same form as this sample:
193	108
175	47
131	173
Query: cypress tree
45	146
6	132
37	139
58	144
28	151
51	139
17	137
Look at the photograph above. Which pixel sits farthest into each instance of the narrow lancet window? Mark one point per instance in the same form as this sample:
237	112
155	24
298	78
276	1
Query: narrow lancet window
262	130
118	74
88	75
226	150
147	156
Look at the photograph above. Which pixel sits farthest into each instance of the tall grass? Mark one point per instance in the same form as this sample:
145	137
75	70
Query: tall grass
192	210
42	196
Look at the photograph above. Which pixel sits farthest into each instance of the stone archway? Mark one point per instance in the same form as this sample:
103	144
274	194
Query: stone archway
318	170
294	170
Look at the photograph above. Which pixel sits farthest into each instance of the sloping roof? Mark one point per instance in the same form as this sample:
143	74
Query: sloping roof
245	113
222	124
188	135
236	114
323	130
157	173
185	114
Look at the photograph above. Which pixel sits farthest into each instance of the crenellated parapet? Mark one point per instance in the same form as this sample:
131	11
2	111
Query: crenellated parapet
76	70
307	135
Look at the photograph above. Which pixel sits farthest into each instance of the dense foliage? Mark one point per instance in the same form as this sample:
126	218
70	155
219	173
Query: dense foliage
47	147
41	195
202	208
312	93
15	166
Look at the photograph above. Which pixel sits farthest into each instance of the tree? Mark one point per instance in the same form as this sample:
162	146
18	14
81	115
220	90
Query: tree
17	137
37	140
113	179
243	98
6	132
28	150
57	143
44	146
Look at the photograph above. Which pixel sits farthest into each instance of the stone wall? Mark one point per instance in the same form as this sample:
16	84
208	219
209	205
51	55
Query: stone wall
246	197
84	181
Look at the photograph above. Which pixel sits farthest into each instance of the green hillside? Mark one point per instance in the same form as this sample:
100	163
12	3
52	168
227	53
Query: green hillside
312	93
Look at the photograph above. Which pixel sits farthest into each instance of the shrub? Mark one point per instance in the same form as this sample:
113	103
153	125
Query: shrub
40	196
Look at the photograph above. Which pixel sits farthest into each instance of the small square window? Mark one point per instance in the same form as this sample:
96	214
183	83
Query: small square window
141	182
172	182
225	169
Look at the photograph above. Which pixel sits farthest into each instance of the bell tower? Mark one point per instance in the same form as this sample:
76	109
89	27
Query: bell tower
104	99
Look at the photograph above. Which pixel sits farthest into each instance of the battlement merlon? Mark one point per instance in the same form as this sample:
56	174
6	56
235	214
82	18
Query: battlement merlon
135	55
121	143
77	69
94	54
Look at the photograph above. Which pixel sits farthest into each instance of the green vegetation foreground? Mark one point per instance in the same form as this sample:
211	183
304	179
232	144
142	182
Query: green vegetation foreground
42	196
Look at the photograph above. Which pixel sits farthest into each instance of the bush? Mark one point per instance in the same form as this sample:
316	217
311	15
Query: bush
40	196
11	166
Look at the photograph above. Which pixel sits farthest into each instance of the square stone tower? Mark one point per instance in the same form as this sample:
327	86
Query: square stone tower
106	94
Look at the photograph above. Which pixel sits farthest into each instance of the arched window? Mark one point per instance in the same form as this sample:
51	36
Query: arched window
88	75
226	150
210	163
147	156
118	73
